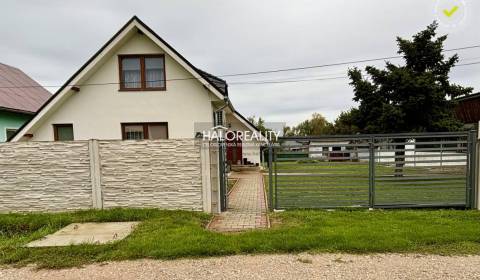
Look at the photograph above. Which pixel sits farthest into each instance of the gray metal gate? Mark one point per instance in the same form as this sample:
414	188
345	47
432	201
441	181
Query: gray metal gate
375	171
223	169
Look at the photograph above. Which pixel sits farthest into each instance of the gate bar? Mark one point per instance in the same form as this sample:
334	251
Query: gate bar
371	173
270	176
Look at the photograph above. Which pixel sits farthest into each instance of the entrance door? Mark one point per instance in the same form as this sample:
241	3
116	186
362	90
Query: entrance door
234	150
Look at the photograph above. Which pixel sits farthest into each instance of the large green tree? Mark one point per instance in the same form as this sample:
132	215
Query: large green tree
416	96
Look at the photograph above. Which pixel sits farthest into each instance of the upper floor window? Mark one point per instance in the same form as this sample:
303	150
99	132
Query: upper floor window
142	72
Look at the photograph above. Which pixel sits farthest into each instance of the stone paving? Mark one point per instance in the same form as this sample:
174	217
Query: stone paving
246	205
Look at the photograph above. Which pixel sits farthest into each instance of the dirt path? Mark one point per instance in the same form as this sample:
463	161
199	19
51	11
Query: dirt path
304	266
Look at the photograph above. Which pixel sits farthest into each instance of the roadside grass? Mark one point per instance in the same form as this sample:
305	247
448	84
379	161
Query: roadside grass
181	234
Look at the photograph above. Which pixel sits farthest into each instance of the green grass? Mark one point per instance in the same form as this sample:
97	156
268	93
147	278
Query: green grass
230	184
333	184
181	234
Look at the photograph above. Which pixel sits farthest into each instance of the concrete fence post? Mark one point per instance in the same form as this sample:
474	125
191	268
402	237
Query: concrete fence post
206	180
95	174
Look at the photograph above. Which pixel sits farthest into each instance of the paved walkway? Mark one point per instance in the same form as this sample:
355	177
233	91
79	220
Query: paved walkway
246	205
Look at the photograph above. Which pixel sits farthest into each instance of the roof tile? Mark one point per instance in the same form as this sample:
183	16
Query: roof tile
20	92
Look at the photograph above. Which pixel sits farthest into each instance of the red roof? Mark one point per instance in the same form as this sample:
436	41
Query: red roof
19	92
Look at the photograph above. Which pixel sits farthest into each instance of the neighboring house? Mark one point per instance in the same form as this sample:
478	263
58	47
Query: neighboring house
468	110
20	98
329	149
136	87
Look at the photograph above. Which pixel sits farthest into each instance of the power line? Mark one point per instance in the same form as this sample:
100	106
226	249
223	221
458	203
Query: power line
286	81
260	72
334	64
310	80
465	64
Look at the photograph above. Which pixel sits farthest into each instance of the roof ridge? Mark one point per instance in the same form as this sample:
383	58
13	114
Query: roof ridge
209	74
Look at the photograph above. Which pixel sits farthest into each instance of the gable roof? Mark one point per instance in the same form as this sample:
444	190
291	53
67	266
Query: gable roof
220	83
216	85
19	92
467	97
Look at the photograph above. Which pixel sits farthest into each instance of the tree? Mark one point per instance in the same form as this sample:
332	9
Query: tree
414	97
317	125
260	124
346	122
411	97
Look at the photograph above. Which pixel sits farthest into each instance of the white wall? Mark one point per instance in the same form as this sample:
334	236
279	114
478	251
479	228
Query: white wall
250	149
97	111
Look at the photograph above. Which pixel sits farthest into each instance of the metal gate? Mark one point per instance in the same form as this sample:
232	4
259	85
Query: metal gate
375	171
223	169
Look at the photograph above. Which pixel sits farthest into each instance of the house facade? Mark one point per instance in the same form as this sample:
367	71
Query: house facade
20	98
135	87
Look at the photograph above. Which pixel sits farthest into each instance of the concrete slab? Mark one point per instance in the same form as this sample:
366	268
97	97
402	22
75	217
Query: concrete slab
82	233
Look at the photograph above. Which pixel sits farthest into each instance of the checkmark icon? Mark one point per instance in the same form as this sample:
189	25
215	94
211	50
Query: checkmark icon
450	12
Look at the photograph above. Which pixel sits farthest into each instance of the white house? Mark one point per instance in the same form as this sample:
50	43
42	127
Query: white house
136	87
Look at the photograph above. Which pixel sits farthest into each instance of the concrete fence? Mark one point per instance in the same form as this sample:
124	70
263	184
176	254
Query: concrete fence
60	176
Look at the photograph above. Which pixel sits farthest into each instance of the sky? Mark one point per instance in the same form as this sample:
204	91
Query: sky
50	40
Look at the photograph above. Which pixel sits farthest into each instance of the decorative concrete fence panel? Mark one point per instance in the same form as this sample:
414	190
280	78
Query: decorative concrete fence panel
63	176
37	176
162	174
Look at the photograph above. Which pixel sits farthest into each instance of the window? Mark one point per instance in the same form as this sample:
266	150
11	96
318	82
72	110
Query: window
142	72
63	132
136	131
9	132
218	118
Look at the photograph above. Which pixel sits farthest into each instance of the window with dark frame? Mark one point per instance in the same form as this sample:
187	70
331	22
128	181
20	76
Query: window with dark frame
139	131
218	118
9	132
142	72
63	132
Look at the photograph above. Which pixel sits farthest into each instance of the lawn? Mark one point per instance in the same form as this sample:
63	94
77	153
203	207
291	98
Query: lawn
333	184
180	234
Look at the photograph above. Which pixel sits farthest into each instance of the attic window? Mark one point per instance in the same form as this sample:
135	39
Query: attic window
142	72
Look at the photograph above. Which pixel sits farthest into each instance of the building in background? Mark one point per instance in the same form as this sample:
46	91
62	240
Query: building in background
468	110
20	98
